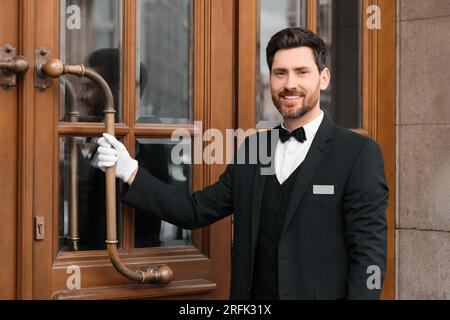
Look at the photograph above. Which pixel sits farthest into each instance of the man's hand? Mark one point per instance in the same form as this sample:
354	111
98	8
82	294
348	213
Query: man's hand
112	152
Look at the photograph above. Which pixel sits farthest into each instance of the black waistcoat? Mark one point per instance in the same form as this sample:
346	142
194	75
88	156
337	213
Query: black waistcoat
273	211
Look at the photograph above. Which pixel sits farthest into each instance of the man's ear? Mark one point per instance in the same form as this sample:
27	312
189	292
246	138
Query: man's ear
324	79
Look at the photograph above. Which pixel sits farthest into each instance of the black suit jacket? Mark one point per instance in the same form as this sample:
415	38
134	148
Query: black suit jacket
328	242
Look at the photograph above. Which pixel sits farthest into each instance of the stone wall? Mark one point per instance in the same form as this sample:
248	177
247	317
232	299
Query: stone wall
423	158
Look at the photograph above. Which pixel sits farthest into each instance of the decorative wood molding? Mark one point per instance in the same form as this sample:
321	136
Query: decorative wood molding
248	34
379	112
207	56
221	111
386	122
174	289
311	17
370	74
201	53
25	183
129	13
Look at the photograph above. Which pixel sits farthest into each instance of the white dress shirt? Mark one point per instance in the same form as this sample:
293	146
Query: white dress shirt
289	155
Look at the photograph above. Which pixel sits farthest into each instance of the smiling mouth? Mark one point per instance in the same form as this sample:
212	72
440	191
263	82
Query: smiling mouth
291	98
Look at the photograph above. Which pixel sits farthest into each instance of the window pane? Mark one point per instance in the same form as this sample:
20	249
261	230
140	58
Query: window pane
339	25
273	16
164	62
90	35
156	156
82	199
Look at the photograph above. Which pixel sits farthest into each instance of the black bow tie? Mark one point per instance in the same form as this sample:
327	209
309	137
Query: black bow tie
298	134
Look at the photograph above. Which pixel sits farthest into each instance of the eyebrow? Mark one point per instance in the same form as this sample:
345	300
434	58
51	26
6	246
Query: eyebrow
296	69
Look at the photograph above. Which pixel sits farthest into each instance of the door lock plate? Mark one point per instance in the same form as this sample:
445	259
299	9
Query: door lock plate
39	228
7	79
42	82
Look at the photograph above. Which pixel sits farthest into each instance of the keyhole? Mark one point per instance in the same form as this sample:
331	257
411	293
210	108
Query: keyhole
40	227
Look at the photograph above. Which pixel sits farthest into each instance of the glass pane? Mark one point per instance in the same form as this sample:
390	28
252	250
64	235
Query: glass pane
164	69
90	35
273	16
156	156
82	202
339	25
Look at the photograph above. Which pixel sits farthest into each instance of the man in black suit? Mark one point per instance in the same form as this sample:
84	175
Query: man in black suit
316	228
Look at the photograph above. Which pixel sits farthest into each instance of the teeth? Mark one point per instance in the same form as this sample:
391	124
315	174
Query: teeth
291	97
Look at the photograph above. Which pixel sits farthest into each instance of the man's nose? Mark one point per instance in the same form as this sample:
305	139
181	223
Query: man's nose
291	82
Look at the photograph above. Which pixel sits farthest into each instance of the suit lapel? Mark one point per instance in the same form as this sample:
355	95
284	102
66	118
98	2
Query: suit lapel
317	152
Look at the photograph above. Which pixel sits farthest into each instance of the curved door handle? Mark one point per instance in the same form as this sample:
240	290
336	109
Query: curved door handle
11	66
148	274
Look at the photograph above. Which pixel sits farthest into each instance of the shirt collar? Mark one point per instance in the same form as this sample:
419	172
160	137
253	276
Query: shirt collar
311	127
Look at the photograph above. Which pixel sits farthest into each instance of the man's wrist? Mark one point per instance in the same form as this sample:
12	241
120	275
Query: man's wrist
133	175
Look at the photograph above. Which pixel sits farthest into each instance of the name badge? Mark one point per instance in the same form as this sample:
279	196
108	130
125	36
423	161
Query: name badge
323	189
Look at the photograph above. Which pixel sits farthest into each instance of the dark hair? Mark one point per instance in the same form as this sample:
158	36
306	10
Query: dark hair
297	37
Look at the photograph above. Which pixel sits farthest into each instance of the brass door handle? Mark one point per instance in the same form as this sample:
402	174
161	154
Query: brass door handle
18	65
161	274
11	65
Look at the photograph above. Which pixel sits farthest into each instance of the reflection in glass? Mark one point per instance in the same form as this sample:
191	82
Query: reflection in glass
164	60
339	25
82	202
90	35
274	16
155	155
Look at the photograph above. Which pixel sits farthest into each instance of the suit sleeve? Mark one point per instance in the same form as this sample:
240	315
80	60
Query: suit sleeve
177	206
364	209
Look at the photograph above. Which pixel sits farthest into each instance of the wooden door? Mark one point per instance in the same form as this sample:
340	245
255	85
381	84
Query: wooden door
163	61
361	42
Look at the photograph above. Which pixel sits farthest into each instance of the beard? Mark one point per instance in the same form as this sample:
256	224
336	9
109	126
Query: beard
307	103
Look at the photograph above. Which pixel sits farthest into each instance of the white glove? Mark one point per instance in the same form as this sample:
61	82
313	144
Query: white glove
116	155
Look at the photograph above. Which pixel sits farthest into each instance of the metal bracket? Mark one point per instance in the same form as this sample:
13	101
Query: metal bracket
41	81
7	79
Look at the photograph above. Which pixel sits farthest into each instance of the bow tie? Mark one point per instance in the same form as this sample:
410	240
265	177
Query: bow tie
298	134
